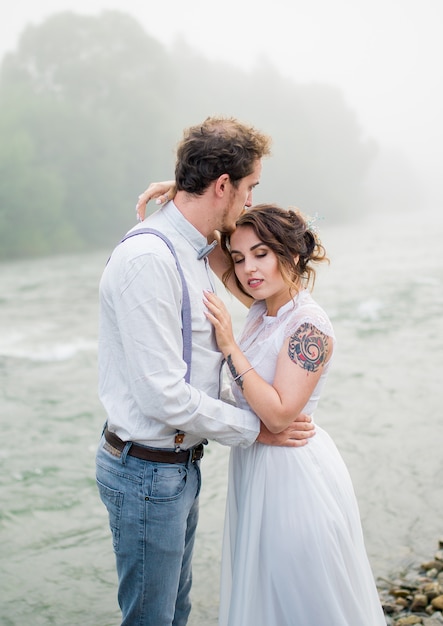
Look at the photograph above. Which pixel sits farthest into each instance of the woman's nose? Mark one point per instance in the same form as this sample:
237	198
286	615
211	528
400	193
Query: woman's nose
250	265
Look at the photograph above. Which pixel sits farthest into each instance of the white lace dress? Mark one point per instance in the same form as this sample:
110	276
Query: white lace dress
293	550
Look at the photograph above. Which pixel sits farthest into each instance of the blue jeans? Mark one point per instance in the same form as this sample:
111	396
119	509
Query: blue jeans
153	514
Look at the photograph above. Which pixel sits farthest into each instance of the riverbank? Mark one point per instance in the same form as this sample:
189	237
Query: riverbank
416	596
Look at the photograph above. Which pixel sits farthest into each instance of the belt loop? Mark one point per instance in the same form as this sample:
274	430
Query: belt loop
125	452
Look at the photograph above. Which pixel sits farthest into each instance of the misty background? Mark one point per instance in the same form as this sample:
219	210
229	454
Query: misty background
93	101
94	95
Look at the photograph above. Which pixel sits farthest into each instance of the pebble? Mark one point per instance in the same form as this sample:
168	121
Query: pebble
416	597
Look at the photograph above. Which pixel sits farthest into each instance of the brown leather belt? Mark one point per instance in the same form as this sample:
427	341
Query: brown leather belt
157	456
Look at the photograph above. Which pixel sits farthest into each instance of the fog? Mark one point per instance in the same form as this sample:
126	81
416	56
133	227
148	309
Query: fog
383	288
385	56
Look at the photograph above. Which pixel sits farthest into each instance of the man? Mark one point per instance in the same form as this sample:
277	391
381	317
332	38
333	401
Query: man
148	459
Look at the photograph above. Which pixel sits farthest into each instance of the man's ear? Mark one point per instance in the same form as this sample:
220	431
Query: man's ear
221	185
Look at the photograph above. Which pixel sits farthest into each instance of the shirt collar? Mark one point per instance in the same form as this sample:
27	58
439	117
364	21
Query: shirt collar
188	231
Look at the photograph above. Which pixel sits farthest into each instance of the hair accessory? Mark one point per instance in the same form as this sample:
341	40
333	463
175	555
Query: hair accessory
311	223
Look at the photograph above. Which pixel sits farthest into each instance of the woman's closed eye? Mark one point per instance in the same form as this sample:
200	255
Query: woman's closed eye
240	259
237	260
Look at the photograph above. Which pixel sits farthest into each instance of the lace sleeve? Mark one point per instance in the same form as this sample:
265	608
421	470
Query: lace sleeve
311	314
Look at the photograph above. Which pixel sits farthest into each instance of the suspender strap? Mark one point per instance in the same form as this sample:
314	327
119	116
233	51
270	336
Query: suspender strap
186	302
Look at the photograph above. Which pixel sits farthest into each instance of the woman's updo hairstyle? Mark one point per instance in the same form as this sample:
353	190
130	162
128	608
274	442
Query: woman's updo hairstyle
288	234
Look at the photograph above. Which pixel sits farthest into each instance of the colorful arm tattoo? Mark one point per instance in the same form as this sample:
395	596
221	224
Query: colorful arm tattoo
308	347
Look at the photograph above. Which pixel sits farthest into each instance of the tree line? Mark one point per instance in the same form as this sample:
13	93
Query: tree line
91	109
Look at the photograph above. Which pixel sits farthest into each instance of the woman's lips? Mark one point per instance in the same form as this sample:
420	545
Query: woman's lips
254	282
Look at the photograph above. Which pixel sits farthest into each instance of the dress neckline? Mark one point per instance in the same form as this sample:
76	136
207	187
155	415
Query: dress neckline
269	319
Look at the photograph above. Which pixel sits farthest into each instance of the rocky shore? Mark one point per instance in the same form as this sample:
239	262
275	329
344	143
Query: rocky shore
415	597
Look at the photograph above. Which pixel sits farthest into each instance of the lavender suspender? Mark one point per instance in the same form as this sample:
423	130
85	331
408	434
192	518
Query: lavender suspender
186	310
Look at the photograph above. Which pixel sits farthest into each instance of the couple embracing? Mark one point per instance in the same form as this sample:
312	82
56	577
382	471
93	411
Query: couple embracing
293	548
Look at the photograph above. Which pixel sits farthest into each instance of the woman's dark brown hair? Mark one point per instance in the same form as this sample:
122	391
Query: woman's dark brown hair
287	234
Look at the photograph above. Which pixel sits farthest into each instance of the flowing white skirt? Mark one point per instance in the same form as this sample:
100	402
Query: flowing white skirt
293	549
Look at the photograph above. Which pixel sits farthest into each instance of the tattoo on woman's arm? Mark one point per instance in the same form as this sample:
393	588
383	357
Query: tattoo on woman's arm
238	379
231	366
308	347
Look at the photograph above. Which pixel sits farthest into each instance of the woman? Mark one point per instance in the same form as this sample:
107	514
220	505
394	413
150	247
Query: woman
293	549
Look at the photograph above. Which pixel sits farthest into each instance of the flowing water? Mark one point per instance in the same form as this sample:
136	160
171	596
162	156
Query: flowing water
382	404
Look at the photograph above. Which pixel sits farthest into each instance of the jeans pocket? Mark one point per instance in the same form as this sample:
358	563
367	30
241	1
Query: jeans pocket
168	482
113	500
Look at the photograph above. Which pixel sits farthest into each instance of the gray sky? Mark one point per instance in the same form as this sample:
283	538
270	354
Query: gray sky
386	55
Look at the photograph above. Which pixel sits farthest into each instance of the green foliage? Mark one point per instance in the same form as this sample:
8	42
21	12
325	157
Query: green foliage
31	200
91	109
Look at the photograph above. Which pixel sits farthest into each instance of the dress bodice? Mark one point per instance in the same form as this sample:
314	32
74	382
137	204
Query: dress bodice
263	337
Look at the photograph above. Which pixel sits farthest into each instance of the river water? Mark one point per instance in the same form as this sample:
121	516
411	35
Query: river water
382	404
